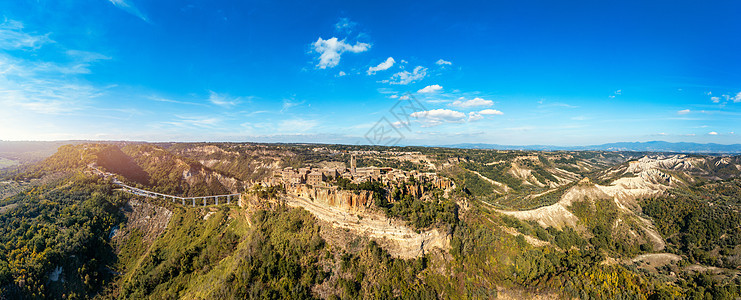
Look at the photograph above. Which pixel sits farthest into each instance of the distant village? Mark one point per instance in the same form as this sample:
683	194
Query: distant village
323	177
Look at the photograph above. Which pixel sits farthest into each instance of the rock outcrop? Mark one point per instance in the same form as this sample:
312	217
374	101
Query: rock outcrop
331	196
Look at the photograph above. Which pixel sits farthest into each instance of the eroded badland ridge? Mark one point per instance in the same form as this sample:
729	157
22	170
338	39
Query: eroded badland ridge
366	222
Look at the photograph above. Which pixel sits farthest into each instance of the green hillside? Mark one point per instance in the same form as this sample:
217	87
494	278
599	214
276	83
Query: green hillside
77	236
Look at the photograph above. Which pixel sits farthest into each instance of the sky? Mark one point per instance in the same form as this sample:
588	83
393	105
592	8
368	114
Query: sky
376	72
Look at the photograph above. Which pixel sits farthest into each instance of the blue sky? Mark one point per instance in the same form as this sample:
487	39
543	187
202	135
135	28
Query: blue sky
430	73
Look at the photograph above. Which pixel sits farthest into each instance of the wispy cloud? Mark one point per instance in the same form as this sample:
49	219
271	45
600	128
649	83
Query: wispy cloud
129	8
288	104
344	25
542	104
442	62
331	50
162	99
388	63
41	86
207	122
683	112
12	36
475	102
406	77
223	100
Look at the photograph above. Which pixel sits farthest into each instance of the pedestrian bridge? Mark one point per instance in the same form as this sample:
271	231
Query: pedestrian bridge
204	200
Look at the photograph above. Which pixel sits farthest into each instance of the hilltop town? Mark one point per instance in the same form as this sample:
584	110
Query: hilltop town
333	179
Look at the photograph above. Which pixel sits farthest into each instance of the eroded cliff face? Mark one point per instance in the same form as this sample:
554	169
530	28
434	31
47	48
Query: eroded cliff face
194	176
343	199
148	219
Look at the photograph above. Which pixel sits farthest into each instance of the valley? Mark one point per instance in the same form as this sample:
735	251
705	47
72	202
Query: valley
430	222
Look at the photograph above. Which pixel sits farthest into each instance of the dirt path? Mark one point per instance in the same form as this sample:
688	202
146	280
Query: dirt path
8	207
529	239
495	183
409	244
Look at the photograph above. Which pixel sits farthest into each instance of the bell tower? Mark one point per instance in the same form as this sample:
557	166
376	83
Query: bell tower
353	165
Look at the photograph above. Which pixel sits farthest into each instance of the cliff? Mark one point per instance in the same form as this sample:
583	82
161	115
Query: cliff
331	196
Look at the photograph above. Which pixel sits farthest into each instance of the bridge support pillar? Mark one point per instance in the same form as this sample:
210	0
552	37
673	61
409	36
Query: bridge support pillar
183	201
194	202
204	201
217	200
228	199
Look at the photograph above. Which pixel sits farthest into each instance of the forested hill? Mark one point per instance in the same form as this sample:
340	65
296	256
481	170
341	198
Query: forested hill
141	165
517	224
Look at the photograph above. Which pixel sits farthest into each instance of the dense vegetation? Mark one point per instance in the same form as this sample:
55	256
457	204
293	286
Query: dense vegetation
62	226
55	234
702	222
483	251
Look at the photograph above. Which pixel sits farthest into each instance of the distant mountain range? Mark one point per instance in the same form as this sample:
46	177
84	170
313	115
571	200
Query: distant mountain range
36	150
654	146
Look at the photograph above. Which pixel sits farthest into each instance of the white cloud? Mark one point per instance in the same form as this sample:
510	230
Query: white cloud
341	73
394	96
441	62
475	102
478	115
406	77
715	99
683	112
382	66
474	116
491	112
400	124
439	114
12	37
619	92
129	8
737	99
430	89
331	50
222	100
712	133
